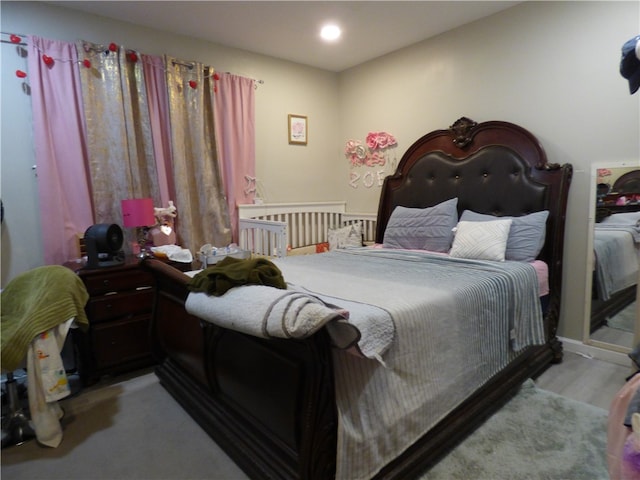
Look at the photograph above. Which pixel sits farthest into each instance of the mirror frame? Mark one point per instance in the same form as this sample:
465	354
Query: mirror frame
586	333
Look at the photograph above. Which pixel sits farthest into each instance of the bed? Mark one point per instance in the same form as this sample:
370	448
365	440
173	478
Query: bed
290	407
616	246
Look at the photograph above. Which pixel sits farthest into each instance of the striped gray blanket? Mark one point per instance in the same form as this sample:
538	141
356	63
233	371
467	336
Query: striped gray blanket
616	257
457	323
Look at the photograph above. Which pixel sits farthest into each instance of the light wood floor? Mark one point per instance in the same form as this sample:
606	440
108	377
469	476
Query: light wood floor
587	380
614	336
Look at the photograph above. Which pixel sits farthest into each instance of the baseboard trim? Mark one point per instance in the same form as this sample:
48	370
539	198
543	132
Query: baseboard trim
598	353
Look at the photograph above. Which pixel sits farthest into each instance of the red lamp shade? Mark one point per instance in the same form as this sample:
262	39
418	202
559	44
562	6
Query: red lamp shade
138	212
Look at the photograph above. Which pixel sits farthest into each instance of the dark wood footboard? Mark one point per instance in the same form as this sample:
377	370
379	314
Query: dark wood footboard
268	403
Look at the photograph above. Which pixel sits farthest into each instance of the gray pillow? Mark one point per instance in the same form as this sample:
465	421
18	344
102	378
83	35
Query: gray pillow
526	236
422	228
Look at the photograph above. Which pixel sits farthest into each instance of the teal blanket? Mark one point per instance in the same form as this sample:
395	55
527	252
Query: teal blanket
35	302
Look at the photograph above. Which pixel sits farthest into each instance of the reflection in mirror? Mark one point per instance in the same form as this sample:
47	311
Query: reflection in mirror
615	259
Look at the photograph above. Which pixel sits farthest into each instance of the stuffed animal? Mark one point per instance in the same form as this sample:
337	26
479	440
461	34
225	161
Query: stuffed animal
631	454
164	232
162	214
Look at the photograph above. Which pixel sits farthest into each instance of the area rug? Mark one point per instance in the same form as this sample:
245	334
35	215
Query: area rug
537	435
135	430
625	319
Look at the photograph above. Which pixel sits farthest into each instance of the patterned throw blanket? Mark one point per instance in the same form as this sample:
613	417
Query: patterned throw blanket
36	301
457	323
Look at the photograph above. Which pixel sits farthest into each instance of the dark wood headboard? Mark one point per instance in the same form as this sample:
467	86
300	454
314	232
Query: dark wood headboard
627	183
493	167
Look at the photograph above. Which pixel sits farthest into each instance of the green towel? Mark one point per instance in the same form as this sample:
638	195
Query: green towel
232	272
34	302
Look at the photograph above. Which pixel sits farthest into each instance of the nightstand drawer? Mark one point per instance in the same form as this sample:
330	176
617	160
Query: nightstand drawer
119	342
119	311
100	284
109	307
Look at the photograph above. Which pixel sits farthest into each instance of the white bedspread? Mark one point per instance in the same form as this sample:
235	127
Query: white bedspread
454	329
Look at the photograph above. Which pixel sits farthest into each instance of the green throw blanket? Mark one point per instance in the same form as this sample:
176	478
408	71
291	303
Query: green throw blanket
35	302
232	272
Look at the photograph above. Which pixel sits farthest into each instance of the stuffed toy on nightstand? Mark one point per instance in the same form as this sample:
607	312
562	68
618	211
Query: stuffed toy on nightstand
164	232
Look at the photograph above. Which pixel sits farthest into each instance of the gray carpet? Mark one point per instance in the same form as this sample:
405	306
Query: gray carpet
130	430
135	430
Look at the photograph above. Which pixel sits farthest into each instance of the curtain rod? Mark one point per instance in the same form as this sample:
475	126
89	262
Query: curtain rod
174	62
261	82
188	65
13	43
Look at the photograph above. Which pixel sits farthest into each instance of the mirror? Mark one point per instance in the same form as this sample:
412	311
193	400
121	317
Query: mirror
613	257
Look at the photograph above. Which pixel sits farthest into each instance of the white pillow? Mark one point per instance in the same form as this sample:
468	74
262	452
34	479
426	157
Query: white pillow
481	240
349	236
526	235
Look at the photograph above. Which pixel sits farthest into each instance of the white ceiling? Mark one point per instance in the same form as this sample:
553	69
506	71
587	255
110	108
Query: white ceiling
290	29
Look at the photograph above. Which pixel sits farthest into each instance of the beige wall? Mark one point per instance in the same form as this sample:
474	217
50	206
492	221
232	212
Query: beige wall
286	172
551	67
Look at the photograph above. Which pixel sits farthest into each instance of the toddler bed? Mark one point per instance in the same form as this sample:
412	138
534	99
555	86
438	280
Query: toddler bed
334	395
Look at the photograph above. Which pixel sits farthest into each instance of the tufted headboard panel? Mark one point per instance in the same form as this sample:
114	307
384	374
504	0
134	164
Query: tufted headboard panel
493	180
494	167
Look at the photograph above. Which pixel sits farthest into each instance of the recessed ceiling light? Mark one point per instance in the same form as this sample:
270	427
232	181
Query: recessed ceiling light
330	32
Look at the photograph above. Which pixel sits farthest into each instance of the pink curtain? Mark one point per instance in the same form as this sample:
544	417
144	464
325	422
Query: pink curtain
155	81
58	131
235	135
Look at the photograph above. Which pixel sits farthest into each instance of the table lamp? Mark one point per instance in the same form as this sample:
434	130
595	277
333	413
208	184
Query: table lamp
138	213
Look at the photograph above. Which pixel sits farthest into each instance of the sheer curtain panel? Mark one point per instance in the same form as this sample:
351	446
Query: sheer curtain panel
119	140
202	207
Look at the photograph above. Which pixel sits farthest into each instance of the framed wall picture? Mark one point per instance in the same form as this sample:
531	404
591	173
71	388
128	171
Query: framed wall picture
297	130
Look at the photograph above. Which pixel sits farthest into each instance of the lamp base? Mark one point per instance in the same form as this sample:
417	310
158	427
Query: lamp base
142	242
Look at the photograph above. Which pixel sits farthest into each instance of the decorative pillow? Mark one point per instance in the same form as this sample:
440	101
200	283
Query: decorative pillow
526	237
422	228
349	236
481	240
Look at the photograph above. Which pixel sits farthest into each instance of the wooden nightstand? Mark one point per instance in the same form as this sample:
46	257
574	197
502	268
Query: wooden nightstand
119	311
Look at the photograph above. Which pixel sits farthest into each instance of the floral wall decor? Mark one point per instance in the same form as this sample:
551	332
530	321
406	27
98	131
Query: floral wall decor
602	173
373	153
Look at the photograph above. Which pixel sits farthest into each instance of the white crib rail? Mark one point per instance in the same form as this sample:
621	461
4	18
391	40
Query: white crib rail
270	229
263	237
